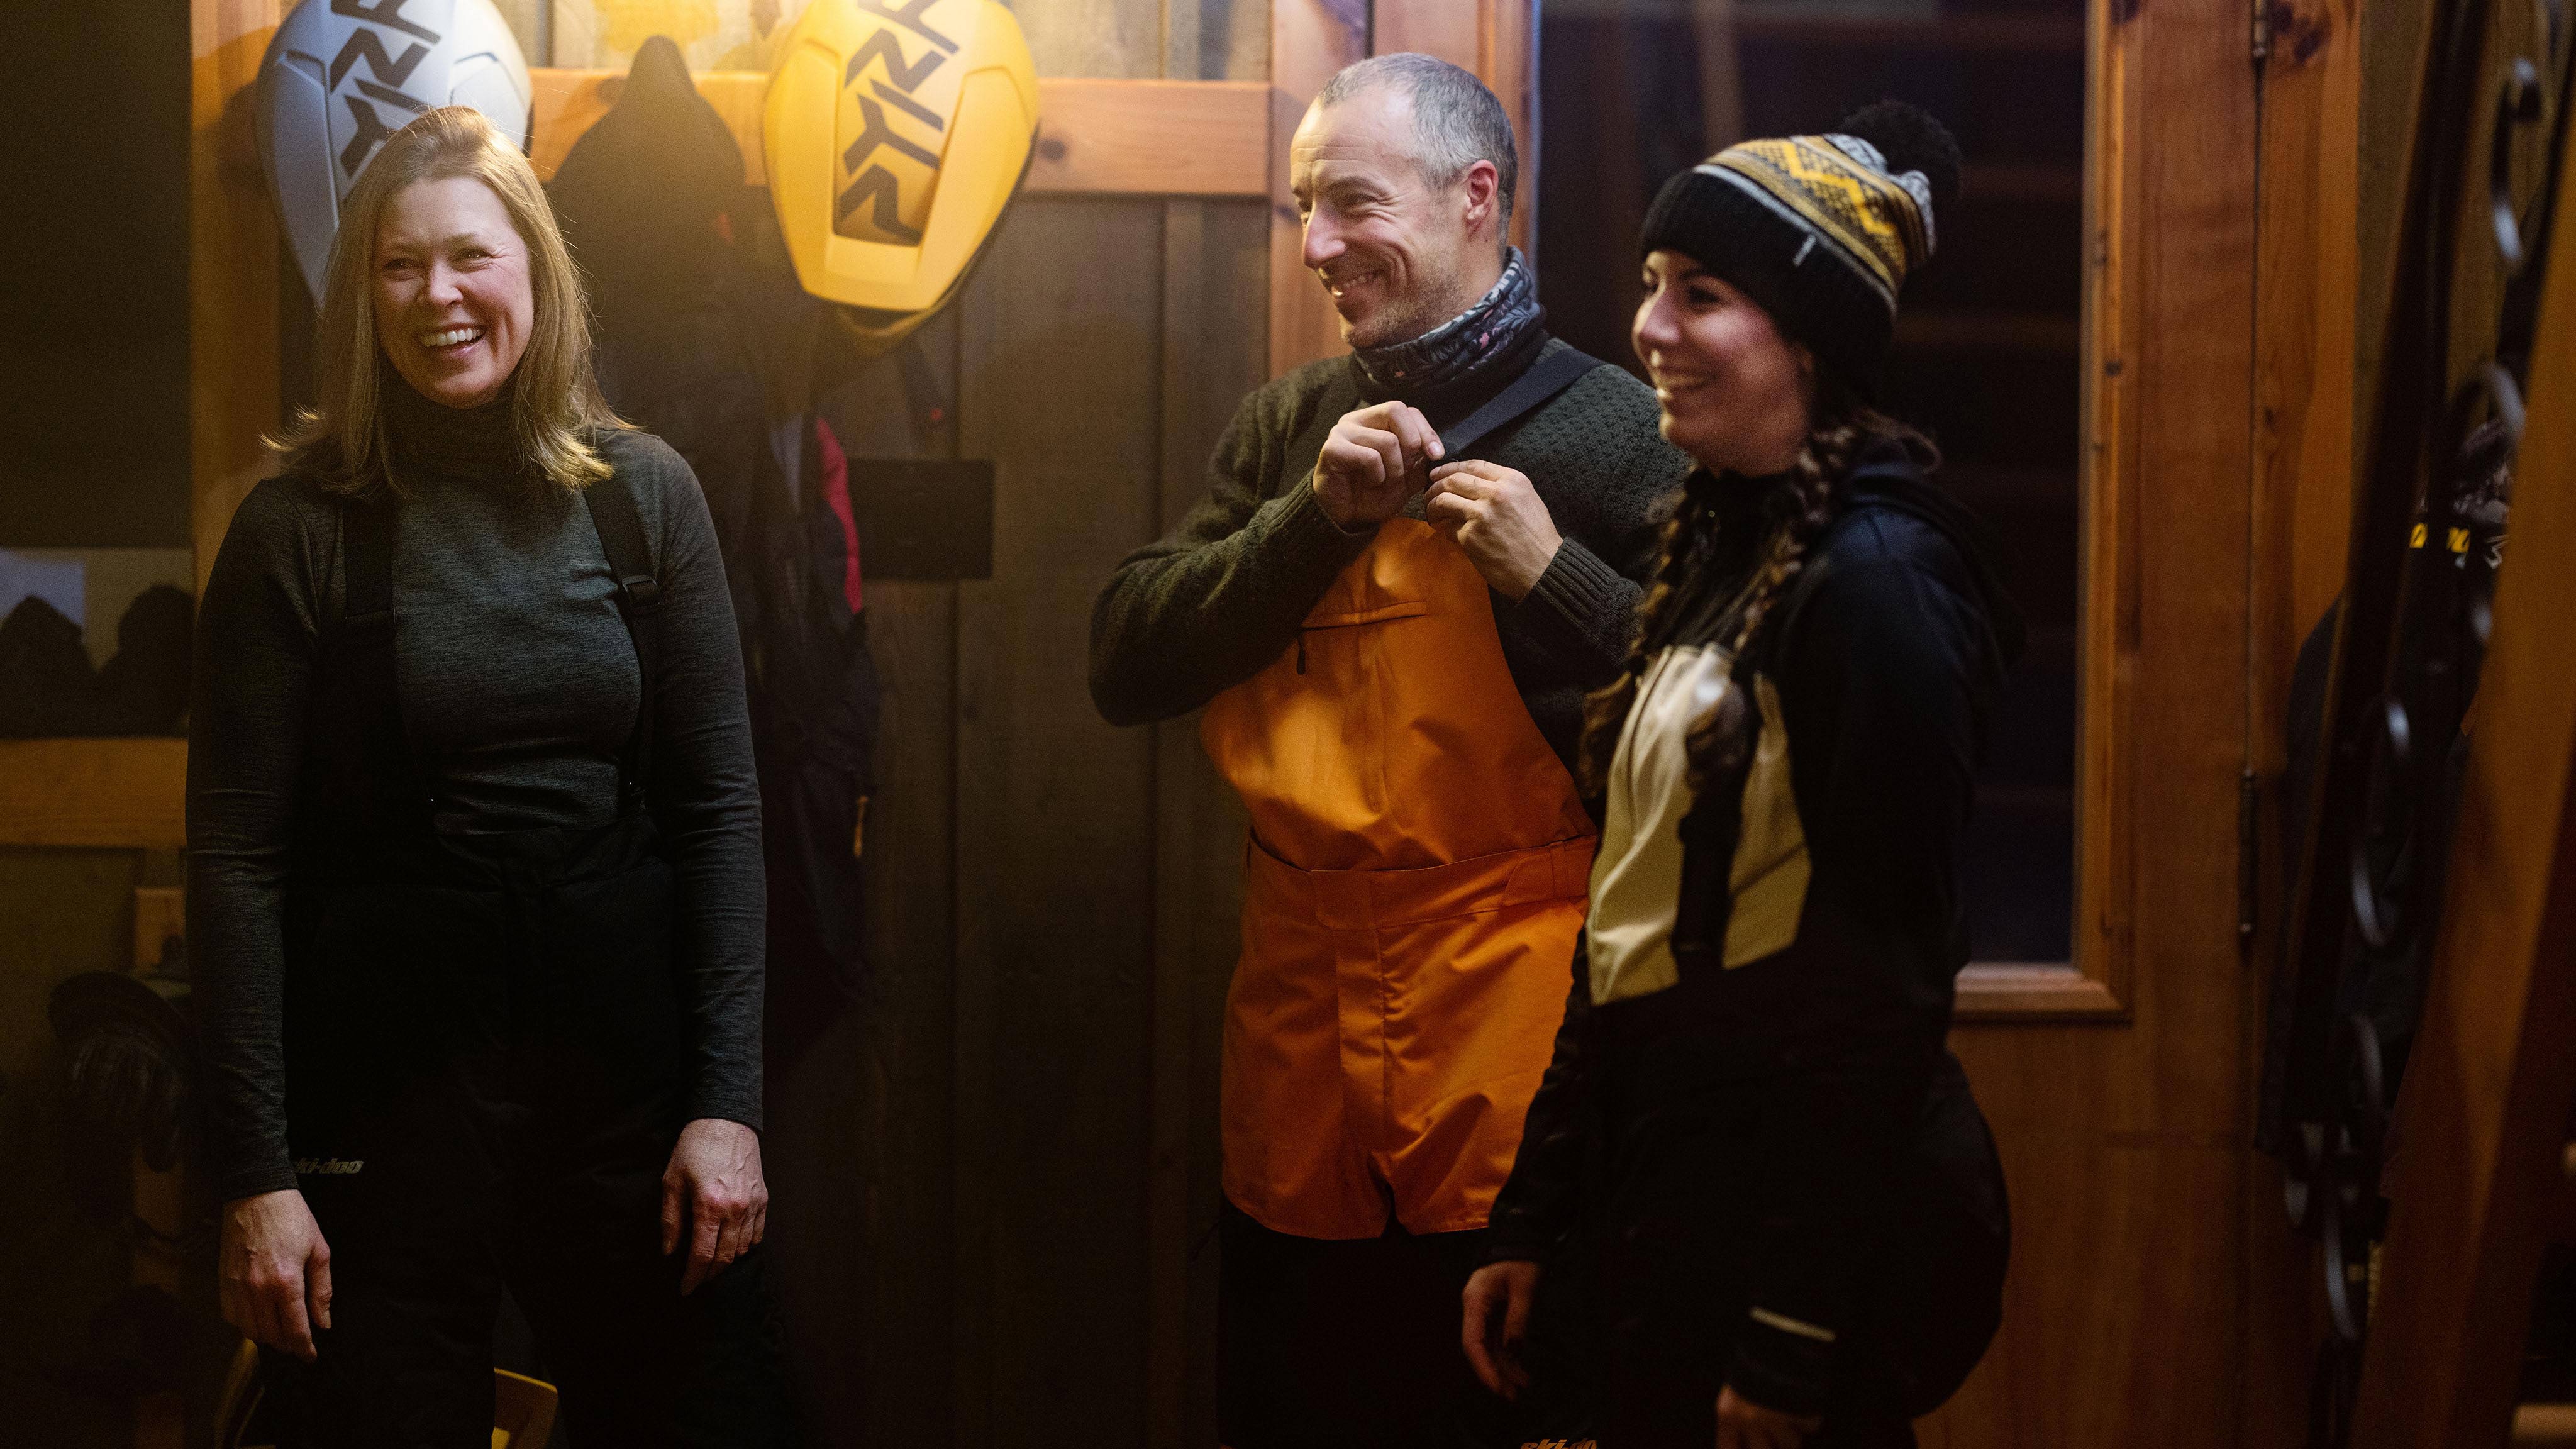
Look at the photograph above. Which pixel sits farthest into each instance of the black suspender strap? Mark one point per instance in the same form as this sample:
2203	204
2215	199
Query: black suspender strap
1553	373
639	597
1550	375
364	670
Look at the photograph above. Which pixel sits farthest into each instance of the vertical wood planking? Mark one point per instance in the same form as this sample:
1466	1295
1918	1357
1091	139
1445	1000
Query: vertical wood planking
1309	40
2307	278
861	1156
1215	259
1167	1187
1061	389
1721	83
232	269
1497	39
1508	60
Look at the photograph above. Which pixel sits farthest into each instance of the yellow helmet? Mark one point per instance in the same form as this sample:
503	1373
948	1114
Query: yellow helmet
895	132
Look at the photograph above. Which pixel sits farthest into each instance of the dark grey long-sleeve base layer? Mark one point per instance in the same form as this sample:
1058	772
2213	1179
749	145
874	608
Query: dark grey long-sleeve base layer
519	687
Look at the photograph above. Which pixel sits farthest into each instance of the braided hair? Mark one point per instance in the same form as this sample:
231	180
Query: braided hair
1797	506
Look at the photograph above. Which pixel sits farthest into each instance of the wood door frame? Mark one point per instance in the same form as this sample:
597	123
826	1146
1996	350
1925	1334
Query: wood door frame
2095	984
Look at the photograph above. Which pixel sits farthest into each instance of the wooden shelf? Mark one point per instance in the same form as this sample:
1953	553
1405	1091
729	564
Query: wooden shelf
2051	34
128	794
2544	1426
2005	991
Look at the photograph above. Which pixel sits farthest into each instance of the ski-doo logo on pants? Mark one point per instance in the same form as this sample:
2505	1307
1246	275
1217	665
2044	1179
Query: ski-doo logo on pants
895	112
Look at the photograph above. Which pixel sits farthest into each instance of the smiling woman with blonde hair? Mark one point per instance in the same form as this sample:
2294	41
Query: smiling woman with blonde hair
475	882
555	406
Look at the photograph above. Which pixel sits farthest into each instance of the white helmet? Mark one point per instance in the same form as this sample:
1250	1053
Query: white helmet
342	75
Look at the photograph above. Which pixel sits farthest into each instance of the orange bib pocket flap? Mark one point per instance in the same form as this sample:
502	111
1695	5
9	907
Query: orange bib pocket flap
1328	616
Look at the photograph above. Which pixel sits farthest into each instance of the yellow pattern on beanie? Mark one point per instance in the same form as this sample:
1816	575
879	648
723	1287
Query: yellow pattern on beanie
1875	220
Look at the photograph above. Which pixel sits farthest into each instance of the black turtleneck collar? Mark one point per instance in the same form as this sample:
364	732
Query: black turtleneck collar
479	443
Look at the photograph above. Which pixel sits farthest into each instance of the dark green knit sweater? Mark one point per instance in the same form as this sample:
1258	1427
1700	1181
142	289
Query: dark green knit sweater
1214	602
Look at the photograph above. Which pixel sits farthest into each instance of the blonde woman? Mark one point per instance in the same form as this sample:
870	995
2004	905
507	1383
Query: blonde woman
474	861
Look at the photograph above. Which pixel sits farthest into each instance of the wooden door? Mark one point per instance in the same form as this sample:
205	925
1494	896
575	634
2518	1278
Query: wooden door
2148	1253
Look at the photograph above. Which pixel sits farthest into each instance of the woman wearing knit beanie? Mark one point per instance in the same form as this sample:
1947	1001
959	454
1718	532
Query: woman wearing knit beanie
1798	1215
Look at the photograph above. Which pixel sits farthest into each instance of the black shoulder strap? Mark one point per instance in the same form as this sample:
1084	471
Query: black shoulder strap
1550	375
359	693
639	598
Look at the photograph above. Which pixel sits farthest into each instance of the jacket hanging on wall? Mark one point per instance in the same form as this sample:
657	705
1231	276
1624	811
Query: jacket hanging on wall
647	198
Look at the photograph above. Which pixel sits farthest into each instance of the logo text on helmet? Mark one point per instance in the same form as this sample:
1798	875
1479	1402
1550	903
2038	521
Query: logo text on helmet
385	71
888	176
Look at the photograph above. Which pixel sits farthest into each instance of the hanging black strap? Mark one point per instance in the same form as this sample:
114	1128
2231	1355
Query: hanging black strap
639	599
1550	375
377	758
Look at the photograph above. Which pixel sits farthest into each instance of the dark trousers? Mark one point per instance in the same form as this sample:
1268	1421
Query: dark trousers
487	1062
421	1254
1354	1345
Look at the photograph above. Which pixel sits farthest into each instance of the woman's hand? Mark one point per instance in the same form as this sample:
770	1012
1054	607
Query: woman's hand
1496	516
1744	1424
714	1184
274	1273
1494	1350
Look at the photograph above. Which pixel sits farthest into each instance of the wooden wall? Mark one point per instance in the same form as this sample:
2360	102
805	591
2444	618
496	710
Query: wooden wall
999	1230
67	1254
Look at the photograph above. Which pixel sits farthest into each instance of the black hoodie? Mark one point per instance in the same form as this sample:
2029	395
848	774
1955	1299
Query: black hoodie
1814	1081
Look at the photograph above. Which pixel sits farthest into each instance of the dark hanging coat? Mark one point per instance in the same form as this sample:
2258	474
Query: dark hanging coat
688	331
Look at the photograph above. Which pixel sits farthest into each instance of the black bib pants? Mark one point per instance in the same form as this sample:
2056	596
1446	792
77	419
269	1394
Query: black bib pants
488	1054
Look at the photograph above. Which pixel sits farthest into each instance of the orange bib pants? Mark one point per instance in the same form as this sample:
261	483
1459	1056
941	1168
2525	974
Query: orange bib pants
1413	887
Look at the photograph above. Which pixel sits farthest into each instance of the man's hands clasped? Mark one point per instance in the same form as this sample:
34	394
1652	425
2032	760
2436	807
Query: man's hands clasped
1497	517
1377	457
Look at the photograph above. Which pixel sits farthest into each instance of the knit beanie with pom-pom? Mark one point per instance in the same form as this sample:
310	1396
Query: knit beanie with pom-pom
1819	231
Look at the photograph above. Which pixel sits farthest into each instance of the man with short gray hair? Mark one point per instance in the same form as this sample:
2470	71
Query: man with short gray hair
1412	565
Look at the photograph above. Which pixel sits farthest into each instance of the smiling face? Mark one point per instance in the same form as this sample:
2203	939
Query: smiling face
1735	394
1398	255
453	304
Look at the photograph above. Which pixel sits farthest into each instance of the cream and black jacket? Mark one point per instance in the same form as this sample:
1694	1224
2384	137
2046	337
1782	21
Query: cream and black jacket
1768	974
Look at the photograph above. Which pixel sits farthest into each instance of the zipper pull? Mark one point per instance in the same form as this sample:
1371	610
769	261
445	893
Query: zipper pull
1301	651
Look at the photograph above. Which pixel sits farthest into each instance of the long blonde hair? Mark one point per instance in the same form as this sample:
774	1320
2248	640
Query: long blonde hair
555	402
